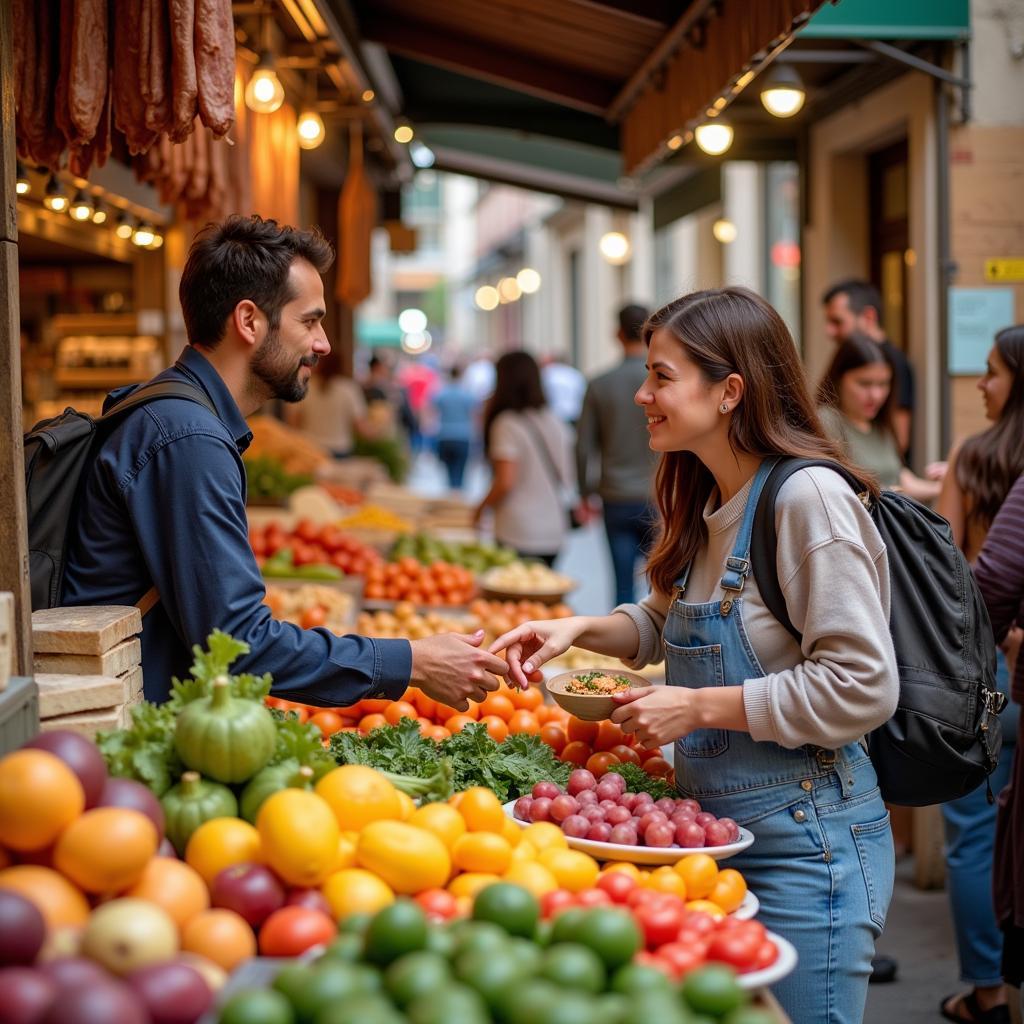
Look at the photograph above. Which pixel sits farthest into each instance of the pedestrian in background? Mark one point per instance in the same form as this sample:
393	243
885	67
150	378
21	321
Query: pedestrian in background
981	473
856	399
563	386
612	432
334	412
455	414
528	449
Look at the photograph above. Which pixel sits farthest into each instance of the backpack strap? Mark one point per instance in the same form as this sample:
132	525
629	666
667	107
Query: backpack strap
764	540
154	390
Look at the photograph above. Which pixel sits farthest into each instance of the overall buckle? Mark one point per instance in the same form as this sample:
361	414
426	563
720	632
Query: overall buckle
733	579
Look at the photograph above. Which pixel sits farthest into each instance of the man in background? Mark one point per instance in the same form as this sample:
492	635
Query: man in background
611	432
564	387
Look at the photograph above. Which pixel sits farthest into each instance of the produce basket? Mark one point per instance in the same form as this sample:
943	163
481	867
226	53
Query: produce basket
540	596
493	585
19	713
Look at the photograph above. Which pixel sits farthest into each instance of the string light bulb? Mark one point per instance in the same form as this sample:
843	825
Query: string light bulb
404	134
99	215
81	208
310	128
22	185
143	235
125	226
782	92
55	198
615	248
714	137
264	94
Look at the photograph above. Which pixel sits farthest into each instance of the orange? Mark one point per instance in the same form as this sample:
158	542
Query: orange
623	865
608	735
600	763
39	797
458	722
531	876
442	819
585	732
524	721
481	810
221	936
576	752
61	904
497	704
221	843
436	733
554	736
545	835
369	722
424	704
356	891
106	849
482	851
572	869
527	700
729	889
373	706
496	727
512	831
469	883
707	907
398	710
445	711
328	722
699	872
175	887
358	795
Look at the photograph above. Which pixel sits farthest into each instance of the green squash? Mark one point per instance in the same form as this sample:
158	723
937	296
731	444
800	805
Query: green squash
224	737
286	775
192	802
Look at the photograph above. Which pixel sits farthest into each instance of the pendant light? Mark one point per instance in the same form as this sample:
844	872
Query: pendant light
264	94
782	91
81	208
22	184
714	137
310	126
55	198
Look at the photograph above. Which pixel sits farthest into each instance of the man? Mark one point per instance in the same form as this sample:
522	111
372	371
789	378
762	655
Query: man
611	428
564	387
856	306
164	501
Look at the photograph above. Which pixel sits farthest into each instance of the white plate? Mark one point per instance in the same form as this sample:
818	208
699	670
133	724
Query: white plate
778	970
748	908
647	854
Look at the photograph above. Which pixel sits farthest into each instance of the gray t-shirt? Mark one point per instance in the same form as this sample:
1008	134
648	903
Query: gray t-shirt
876	449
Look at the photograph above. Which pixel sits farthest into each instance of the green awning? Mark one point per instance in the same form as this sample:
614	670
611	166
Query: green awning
883	19
378	333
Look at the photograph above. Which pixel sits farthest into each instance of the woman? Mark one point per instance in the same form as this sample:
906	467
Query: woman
764	732
333	412
528	450
856	410
1000	575
981	472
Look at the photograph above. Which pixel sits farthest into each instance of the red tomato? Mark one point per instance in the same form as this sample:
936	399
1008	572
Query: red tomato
290	931
640	897
625	754
658	767
698	921
600	763
737	947
660	922
438	904
682	958
617	884
556	900
767	953
306	530
576	752
593	898
328	722
648	959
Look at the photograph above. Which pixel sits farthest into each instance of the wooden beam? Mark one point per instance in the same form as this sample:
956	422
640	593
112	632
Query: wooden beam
483	60
9	203
649	12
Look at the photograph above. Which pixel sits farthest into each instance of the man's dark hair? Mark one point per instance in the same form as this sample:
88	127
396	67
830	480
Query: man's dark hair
859	294
243	258
631	322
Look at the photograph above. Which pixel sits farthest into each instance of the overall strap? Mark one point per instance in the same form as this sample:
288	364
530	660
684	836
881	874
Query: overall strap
737	565
679	587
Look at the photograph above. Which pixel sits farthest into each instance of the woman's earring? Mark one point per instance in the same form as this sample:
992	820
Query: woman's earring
723	408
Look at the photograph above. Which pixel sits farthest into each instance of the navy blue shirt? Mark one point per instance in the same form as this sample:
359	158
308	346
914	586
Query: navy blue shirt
164	505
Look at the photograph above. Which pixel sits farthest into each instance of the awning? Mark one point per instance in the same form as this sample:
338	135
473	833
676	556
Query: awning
378	333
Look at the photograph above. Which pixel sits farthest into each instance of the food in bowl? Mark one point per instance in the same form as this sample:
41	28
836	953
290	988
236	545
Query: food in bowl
597	683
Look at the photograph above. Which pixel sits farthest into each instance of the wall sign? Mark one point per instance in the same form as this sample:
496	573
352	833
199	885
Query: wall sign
975	316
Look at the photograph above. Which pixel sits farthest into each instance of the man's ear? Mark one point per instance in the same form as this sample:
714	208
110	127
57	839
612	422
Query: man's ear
246	320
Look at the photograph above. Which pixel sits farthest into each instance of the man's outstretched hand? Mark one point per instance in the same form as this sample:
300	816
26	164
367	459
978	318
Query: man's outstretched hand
451	668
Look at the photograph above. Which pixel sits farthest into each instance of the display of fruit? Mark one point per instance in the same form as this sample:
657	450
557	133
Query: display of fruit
310	544
602	746
520	577
437	584
311	605
477	556
375	517
605	811
267	478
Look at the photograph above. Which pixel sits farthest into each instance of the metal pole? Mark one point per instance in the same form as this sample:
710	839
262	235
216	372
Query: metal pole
945	265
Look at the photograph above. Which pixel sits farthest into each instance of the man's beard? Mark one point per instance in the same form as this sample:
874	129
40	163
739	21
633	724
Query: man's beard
274	372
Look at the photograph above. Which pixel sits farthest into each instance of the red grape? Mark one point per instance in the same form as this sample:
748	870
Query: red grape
628	800
679	817
659	833
688	805
586	796
705	818
717	834
576	825
734	829
690	835
651	818
522	808
580	780
617	815
562	807
601	832
607	805
540	809
592	813
607	790
624	835
666	805
548	789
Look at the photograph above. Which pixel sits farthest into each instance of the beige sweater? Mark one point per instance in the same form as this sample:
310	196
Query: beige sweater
835	577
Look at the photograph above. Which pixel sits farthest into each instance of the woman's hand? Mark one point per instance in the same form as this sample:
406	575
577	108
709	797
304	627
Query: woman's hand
530	645
656	715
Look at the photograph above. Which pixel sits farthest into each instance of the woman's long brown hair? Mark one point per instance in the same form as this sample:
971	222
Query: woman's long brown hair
724	331
989	463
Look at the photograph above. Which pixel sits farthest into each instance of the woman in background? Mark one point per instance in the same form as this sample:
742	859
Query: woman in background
528	449
855	396
981	472
333	412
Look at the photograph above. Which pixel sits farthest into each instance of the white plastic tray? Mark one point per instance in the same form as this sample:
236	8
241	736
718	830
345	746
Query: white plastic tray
782	967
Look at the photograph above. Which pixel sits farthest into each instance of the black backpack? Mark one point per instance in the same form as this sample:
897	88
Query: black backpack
58	452
944	739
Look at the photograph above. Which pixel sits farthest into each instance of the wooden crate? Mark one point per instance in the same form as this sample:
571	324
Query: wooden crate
91	631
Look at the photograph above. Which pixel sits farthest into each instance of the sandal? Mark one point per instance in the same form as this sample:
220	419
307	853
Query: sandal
950	1006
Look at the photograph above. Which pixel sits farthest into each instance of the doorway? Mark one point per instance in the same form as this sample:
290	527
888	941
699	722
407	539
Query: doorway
888	203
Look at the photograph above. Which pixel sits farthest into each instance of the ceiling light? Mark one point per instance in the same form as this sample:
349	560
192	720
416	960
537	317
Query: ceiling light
99	215
422	156
404	133
143	235
487	298
714	137
368	95
782	91
22	185
509	290
416	343
264	94
158	240
724	230
412	321
55	199
528	280
615	248
310	127
81	208
125	226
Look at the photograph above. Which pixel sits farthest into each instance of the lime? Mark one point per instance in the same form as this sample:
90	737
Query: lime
511	906
531	1000
610	1008
569	1008
479	935
572	966
491	976
713	989
750	1015
660	1005
542	935
440	940
526	954
415	974
354	923
635	979
330	983
398	929
454	1004
257	1006
292	980
347	947
612	934
365	1009
569	925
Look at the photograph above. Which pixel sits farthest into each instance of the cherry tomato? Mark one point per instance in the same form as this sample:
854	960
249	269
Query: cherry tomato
551	903
659	921
682	958
625	754
290	931
438	904
618	885
767	953
601	762
737	947
593	898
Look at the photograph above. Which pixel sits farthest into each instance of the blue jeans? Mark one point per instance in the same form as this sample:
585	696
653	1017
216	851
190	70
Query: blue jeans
454	455
822	863
970	840
629	527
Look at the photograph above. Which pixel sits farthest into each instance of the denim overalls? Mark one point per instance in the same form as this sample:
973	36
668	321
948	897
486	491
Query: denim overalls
822	863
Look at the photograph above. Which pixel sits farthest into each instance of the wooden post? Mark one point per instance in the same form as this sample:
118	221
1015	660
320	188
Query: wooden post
13	518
